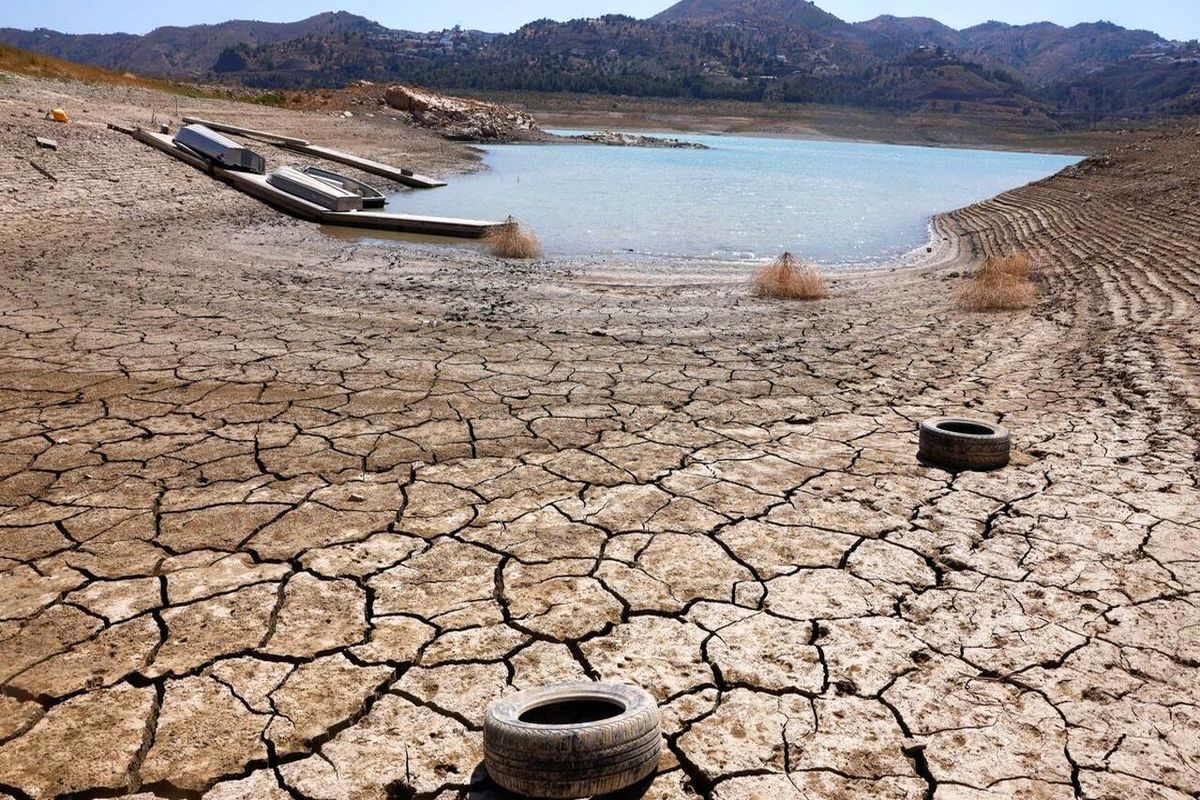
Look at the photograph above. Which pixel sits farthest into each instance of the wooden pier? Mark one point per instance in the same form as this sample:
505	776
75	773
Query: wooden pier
257	186
405	177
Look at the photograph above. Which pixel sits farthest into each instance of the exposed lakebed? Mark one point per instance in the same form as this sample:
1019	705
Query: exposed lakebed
742	199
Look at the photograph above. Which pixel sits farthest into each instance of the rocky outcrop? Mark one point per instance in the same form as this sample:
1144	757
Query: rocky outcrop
467	120
461	119
614	139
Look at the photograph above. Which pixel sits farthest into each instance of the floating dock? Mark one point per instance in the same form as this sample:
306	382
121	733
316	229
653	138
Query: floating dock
402	176
259	187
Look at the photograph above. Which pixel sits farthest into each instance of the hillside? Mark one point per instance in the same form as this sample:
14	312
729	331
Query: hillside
1039	76
621	55
24	62
181	52
1161	84
1045	53
889	36
1041	53
752	12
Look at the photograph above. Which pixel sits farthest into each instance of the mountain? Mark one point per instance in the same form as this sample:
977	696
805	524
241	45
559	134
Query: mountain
1044	52
613	54
176	52
751	12
1162	82
623	55
779	51
888	35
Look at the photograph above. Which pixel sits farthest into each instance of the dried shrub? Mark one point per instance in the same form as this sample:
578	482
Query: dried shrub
1000	284
513	240
787	278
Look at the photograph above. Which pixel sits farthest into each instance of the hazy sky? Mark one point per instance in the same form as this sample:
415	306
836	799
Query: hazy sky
1176	19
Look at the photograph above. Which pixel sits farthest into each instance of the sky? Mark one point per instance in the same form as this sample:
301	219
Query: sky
1174	19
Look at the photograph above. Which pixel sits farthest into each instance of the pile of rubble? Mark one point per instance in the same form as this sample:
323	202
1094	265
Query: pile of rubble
460	119
615	139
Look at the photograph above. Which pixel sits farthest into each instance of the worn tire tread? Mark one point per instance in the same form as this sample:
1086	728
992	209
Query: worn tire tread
961	452
572	761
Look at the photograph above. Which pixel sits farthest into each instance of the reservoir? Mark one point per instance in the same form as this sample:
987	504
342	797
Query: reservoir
743	199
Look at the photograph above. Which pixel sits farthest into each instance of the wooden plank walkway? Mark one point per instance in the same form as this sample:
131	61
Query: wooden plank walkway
257	186
400	175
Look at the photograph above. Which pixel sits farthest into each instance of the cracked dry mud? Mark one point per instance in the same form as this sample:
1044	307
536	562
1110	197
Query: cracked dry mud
281	514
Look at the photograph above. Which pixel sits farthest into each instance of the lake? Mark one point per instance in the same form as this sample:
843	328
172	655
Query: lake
745	199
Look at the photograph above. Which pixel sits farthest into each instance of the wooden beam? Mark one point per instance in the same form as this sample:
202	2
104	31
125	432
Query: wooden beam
43	170
274	138
403	176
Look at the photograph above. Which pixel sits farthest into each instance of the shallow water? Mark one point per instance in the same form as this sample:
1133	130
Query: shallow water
747	198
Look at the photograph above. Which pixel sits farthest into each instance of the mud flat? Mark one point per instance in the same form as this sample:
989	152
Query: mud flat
281	513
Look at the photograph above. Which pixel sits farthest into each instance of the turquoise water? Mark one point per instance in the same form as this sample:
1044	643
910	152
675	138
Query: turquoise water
747	198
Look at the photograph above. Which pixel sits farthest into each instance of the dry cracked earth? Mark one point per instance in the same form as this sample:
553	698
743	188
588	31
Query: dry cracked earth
281	514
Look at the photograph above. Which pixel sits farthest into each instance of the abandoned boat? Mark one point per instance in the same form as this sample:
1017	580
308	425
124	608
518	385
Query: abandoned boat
219	149
324	193
371	197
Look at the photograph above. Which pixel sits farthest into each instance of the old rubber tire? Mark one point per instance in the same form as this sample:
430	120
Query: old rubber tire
572	740
964	444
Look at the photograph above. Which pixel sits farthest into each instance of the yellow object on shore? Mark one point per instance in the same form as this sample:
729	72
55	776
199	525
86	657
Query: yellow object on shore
59	115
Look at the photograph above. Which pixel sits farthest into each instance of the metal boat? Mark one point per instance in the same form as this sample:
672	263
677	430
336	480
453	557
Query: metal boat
219	149
371	197
314	190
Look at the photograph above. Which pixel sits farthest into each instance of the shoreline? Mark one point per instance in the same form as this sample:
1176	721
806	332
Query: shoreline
913	258
815	136
539	113
820	124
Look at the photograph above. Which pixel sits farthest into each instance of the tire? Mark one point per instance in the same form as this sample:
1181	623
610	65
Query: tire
960	444
563	748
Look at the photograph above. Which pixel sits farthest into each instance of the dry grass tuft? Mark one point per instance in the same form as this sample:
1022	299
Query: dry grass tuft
513	240
787	278
1000	284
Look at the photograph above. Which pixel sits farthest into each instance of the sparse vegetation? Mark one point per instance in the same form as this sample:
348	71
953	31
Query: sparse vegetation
1000	284
788	278
27	63
514	240
21	62
273	99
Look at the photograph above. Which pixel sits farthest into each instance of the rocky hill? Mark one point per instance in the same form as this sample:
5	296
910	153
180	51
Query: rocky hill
788	51
183	52
889	36
752	13
1045	53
